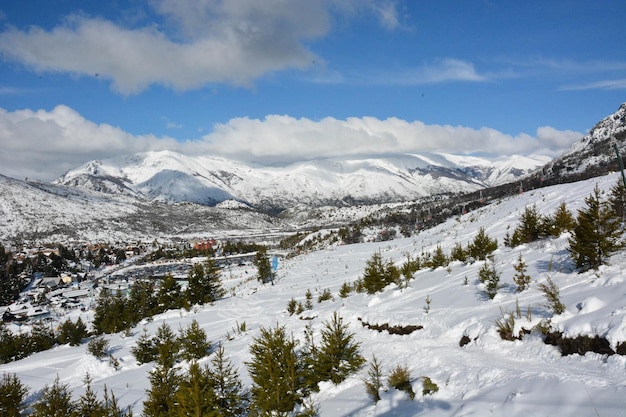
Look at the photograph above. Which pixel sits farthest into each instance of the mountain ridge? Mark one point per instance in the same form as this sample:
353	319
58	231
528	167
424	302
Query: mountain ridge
167	176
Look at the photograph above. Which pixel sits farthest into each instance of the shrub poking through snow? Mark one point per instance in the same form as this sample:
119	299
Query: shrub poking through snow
551	291
400	379
428	386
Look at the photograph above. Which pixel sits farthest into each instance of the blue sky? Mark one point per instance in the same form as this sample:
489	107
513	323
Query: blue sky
277	81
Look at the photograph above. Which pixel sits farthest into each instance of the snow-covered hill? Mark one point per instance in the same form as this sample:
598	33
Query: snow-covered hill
41	212
595	153
488	376
171	177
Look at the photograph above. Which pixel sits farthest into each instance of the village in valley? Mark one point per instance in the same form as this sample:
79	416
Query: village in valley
48	283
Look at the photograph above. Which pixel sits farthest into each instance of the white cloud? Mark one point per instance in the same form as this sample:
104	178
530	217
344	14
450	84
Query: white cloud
285	139
598	85
197	42
43	145
215	42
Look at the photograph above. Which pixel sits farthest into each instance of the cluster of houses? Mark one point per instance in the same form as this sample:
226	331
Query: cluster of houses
46	295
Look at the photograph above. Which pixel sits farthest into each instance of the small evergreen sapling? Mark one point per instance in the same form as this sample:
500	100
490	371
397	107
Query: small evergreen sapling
274	369
230	398
193	342
521	279
338	355
490	277
55	400
373	383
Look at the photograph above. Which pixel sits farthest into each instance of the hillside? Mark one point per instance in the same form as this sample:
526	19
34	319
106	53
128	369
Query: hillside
488	376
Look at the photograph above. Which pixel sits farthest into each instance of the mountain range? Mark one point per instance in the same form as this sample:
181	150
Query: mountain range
156	194
171	177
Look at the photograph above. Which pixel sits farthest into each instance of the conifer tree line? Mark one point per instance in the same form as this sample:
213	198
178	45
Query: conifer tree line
283	370
117	312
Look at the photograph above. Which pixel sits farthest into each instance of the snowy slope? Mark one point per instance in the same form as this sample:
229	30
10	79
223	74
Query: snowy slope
595	151
489	376
41	212
171	177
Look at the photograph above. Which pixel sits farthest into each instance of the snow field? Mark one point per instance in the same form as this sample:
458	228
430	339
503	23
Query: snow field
488	376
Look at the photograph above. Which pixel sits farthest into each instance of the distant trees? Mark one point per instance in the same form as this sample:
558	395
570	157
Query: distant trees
534	225
116	312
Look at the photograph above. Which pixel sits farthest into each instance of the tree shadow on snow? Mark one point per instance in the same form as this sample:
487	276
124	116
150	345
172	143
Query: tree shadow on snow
412	408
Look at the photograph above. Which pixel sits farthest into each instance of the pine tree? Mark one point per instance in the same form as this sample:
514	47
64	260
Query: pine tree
374	274
213	285
617	200
164	383
164	379
12	396
111	409
88	404
596	234
562	221
195	280
458	253
482	245
169	295
193	342
439	258
230	399
72	333
111	313
145	350
490	277
194	397
262	263
276	382
338	355
521	279
400	379
55	401
345	290
167	346
142	301
309	299
530	227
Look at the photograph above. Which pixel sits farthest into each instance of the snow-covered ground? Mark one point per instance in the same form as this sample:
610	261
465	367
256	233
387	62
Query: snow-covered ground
488	376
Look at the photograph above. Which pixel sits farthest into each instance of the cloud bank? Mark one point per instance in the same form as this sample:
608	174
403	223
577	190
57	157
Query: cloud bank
198	42
44	144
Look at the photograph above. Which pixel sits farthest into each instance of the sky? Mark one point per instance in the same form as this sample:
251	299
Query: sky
280	81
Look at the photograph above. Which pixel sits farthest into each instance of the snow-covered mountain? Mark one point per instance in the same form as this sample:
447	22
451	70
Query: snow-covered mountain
167	176
594	154
44	212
